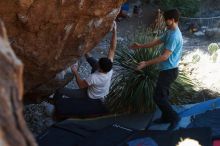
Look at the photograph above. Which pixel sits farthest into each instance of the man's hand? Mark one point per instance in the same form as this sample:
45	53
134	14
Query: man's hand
81	83
135	46
142	65
74	69
148	45
114	27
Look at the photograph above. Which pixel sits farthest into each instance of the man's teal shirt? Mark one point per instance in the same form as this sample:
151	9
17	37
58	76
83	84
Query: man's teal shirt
173	41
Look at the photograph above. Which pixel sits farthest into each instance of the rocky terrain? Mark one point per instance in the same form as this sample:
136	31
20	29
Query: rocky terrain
48	36
207	79
44	37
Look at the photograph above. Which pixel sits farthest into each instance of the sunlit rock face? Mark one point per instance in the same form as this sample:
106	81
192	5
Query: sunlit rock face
49	35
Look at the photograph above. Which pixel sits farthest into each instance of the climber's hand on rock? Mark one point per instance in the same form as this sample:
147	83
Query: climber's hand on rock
74	69
114	26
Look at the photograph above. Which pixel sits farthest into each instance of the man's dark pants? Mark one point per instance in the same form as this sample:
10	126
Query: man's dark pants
161	95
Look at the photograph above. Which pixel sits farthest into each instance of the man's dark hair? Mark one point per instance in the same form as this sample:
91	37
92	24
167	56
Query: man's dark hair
105	64
172	14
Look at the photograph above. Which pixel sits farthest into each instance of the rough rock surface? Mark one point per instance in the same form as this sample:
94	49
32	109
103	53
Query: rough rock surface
48	36
13	130
39	117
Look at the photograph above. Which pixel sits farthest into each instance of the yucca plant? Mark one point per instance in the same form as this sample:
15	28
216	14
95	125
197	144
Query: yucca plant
131	90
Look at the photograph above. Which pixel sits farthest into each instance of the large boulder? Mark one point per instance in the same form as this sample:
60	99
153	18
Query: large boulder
48	35
13	130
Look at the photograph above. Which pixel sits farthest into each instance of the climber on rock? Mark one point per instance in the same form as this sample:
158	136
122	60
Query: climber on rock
90	97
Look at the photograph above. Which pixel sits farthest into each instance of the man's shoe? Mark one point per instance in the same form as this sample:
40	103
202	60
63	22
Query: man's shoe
160	121
173	124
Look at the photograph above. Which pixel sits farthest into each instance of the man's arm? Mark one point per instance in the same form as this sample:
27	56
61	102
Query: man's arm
148	45
81	83
111	51
156	60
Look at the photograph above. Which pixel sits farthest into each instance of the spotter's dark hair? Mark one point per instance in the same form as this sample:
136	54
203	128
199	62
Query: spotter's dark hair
172	14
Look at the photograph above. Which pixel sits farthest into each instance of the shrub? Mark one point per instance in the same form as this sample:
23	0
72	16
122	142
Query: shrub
196	58
212	48
186	7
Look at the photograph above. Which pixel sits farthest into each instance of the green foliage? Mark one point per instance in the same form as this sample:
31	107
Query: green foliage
131	90
212	48
214	57
186	7
196	58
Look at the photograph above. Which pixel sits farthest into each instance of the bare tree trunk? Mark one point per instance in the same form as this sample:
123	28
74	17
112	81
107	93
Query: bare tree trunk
13	129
